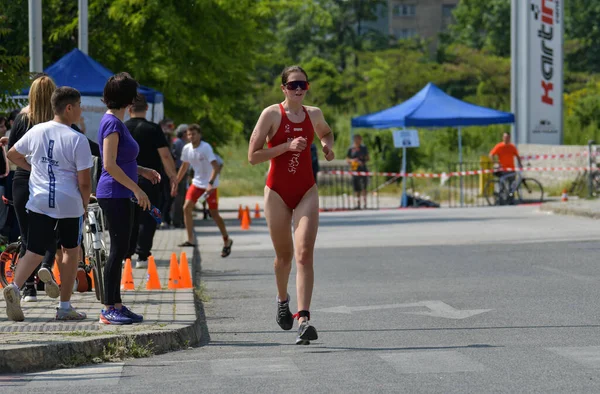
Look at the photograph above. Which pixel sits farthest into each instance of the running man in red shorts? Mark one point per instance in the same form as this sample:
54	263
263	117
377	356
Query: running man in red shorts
200	156
291	194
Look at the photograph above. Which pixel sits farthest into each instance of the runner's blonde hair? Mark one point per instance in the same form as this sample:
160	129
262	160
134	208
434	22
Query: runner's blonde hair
40	104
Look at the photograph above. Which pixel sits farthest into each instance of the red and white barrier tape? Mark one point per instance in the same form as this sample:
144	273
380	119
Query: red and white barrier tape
449	174
558	156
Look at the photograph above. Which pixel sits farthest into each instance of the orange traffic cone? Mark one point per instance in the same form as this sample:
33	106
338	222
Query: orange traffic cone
152	280
184	271
245	221
240	213
127	281
87	262
56	272
565	196
174	282
248	213
257	212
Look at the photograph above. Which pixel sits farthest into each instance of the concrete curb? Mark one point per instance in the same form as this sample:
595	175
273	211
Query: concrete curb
71	353
567	209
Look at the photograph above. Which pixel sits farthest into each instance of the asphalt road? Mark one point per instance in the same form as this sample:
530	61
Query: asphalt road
443	301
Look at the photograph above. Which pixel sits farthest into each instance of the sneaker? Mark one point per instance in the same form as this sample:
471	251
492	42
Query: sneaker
82	283
29	294
50	286
69	314
306	333
114	316
13	303
285	319
141	264
133	316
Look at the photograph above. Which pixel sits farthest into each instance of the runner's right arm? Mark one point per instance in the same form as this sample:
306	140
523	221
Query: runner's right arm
257	153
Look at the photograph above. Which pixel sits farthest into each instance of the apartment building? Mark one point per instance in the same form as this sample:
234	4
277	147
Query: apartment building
419	18
414	18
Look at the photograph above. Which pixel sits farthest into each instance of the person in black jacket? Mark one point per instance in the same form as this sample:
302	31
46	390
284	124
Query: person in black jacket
154	154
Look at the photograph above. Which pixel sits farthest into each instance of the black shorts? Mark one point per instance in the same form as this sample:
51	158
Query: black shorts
42	230
359	183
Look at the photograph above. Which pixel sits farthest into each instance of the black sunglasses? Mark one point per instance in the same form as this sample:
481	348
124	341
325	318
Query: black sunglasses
297	84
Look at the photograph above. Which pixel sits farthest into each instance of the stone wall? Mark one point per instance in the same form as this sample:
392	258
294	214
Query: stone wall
554	178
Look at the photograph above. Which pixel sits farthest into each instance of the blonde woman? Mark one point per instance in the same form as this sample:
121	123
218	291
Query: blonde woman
39	111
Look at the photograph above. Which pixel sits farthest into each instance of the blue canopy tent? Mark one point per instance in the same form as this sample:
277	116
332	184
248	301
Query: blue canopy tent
80	71
431	107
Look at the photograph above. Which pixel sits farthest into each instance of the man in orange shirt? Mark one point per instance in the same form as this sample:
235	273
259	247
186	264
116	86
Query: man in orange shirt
506	152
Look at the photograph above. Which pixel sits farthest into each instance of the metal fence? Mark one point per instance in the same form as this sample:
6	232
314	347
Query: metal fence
471	186
336	190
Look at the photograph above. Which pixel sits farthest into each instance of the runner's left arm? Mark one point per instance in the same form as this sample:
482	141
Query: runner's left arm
324	133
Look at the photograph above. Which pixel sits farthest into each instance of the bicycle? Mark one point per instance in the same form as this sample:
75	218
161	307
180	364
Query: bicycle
512	189
95	248
8	262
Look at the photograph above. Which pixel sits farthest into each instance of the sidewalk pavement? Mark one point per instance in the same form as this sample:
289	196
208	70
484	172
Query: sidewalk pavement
173	319
580	207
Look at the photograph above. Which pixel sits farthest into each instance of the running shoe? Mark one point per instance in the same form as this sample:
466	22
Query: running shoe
29	293
50	286
114	316
133	316
13	303
306	333
285	319
69	314
141	264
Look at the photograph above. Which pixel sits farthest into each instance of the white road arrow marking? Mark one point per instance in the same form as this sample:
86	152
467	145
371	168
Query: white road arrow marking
436	309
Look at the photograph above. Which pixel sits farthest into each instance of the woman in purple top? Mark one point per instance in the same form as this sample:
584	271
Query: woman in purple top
117	184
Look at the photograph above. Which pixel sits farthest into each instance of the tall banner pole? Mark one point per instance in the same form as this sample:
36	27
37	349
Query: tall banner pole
83	26
514	96
36	63
460	167
404	202
537	70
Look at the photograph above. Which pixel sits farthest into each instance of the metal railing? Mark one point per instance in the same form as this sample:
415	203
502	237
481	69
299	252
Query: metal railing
336	190
470	185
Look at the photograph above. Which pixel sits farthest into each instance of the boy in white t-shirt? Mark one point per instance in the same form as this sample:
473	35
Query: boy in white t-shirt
59	187
201	157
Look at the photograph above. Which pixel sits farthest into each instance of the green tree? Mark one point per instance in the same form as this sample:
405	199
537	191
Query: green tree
331	29
582	18
13	72
483	25
199	54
